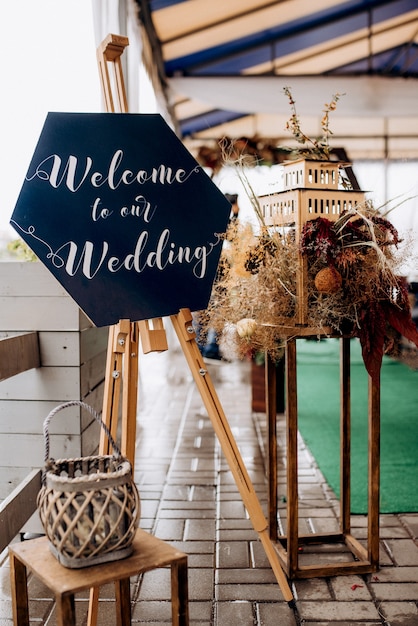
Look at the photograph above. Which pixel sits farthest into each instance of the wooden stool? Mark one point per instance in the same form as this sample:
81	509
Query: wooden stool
149	553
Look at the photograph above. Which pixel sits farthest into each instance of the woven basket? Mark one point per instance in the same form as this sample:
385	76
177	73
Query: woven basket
89	507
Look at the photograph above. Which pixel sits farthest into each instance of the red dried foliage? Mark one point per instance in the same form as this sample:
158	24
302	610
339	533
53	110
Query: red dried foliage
387	306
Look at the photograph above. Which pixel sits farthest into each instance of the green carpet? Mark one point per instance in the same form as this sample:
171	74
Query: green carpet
319	406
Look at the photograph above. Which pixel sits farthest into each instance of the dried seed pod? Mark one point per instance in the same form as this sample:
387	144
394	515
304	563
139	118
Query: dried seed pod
328	280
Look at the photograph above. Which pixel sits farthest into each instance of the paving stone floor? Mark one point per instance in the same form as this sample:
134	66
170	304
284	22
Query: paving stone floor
190	499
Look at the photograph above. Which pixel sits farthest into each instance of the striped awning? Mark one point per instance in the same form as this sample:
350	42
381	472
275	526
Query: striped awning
224	63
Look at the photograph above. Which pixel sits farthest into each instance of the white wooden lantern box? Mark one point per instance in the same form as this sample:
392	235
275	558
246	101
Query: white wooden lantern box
310	191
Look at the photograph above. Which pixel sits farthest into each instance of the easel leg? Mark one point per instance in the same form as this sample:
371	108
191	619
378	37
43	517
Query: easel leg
112	388
129	395
93	606
183	326
122	354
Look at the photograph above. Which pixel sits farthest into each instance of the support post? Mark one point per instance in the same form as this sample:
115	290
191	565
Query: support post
271	410
345	435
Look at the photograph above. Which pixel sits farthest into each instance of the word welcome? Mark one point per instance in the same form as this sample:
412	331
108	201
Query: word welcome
73	174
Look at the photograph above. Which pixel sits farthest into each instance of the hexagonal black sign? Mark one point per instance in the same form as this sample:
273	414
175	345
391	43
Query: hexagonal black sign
122	215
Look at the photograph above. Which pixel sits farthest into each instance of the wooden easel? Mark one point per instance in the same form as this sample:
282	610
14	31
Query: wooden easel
121	376
123	357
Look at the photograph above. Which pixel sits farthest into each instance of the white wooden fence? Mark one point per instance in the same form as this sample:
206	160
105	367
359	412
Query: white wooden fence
49	353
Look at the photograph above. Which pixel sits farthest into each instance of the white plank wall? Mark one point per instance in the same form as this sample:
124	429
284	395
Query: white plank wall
73	358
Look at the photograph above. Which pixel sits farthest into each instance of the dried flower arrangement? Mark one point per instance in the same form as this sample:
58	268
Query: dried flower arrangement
353	286
352	263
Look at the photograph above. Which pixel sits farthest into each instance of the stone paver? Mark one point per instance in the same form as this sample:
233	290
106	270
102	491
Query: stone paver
400	613
395	592
189	498
342	610
350	588
402	551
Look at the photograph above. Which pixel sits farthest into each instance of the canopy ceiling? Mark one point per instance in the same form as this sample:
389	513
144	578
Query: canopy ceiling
224	63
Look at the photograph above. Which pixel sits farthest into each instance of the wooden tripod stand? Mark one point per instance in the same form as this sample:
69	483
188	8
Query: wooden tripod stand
123	354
